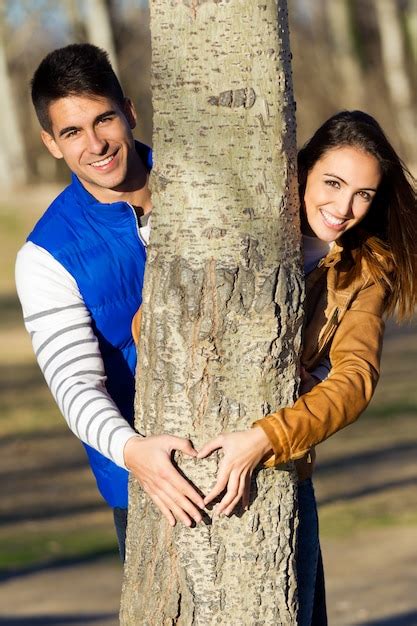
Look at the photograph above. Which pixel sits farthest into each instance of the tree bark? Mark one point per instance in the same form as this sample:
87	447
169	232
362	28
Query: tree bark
221	308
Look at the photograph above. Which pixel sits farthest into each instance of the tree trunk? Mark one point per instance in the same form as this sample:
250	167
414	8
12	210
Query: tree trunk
411	28
347	72
13	165
221	319
99	28
395	72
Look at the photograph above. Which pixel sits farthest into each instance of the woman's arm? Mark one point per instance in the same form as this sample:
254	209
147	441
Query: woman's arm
338	401
331	405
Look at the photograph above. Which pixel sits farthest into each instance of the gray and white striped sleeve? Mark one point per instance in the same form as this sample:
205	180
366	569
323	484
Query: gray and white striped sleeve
67	351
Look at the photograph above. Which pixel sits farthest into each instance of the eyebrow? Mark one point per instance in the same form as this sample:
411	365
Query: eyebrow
66	130
99	118
343	181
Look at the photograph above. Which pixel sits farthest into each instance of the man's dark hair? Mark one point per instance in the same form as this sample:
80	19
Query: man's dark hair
75	70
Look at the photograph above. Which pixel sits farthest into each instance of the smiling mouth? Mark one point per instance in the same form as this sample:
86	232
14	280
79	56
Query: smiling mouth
103	162
330	220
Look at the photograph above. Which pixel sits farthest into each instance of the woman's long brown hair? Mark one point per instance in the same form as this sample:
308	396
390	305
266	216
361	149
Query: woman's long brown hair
387	238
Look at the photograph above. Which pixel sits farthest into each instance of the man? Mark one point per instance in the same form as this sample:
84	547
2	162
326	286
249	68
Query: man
80	275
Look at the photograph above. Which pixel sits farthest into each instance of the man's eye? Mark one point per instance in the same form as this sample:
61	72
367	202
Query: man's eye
72	133
106	119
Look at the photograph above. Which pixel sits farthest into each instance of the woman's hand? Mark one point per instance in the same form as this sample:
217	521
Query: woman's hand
243	451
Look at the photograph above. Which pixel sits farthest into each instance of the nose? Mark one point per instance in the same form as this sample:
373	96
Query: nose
345	204
96	144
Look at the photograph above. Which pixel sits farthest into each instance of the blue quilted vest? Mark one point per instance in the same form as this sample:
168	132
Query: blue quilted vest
100	247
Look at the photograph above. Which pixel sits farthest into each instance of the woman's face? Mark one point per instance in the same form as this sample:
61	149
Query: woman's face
339	192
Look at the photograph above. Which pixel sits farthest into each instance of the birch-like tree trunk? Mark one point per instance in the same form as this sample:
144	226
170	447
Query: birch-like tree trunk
99	28
13	165
395	71
221	318
347	72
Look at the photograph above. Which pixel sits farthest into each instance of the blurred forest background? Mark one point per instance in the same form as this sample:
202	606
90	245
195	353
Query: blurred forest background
346	54
55	532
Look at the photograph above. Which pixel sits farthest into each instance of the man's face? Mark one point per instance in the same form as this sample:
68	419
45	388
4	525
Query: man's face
94	137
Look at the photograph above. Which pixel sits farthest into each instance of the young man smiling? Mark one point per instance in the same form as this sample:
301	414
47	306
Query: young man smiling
80	275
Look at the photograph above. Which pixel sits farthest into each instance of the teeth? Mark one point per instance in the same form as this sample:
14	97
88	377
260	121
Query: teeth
331	219
103	162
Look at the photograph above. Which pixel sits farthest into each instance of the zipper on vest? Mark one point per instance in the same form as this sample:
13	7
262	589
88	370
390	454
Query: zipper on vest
137	225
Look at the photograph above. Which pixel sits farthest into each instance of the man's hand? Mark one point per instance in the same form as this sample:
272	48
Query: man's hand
243	451
149	460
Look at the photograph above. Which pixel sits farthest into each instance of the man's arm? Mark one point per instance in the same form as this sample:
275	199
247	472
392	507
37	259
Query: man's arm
69	356
68	353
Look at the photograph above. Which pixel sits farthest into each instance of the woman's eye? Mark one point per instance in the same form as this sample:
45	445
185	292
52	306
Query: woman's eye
332	183
365	195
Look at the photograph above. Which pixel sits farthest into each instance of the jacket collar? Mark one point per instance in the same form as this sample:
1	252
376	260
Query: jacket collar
334	255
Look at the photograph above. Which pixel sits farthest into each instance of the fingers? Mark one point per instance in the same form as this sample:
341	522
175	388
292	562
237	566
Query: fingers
175	483
170	509
220	486
163	508
210	447
173	504
181	507
233	494
246	492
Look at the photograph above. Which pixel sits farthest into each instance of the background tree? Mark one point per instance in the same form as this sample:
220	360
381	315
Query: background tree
344	56
99	28
221	320
395	69
13	169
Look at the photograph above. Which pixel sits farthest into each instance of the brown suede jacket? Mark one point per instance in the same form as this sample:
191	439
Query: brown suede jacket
345	324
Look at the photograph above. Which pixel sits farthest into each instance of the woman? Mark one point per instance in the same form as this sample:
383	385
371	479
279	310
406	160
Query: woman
359	224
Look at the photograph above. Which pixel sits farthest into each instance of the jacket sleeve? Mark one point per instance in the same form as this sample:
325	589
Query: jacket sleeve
339	400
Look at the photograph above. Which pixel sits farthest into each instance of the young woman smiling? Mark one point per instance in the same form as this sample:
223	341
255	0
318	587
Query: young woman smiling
359	225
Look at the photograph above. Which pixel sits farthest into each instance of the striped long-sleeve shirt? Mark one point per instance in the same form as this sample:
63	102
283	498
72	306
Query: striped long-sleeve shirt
68	352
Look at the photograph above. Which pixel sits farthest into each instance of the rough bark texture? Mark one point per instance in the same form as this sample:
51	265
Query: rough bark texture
222	299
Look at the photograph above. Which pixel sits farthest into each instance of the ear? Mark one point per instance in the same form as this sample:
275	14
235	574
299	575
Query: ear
130	112
50	143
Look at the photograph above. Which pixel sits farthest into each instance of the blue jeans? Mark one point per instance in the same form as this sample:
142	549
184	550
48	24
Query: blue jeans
310	576
120	523
311	593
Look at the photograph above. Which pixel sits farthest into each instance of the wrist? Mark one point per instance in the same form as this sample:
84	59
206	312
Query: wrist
261	441
130	450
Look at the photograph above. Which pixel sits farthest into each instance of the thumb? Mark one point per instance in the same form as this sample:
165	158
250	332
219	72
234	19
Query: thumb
210	447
